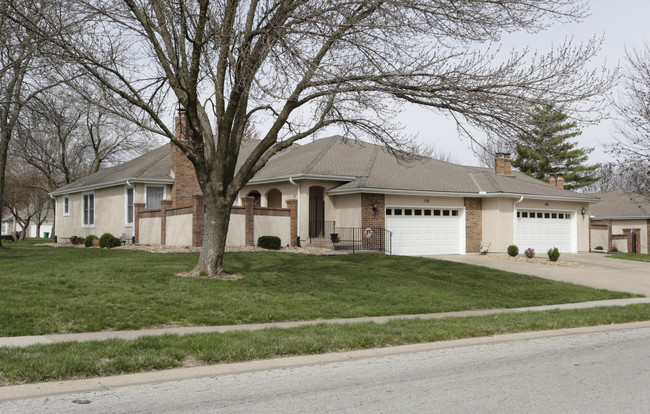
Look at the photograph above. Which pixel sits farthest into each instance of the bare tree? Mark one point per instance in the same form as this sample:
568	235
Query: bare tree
485	151
24	198
22	68
66	138
633	175
302	66
633	108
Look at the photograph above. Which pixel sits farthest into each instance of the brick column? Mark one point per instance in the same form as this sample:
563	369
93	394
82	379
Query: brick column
136	220
198	220
371	217
473	224
164	206
249	205
293	206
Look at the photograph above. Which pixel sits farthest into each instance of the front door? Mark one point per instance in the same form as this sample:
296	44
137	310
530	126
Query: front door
316	212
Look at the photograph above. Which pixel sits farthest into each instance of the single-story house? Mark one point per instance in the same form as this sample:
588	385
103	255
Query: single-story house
335	189
621	220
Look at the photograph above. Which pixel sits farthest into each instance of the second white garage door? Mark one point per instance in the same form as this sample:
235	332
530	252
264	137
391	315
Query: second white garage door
426	231
543	230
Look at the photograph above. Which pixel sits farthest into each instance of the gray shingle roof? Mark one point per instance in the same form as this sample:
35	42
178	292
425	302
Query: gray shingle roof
154	166
621	203
361	166
374	168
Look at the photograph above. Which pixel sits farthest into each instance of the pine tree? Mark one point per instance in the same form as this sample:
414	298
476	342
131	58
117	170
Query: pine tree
547	149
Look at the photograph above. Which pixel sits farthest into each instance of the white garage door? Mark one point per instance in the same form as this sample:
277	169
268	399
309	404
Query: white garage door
543	230
426	231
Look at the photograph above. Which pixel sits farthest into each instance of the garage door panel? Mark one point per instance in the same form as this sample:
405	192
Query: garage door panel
541	234
426	234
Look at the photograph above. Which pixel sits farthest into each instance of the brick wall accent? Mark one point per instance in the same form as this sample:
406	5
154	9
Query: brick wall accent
198	220
559	181
370	217
292	205
473	224
503	164
138	207
249	207
185	183
165	205
648	239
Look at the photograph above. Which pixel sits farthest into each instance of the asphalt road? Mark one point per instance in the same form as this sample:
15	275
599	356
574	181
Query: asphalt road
587	373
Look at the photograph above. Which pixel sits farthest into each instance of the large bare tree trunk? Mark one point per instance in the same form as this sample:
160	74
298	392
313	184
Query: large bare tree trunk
4	146
217	219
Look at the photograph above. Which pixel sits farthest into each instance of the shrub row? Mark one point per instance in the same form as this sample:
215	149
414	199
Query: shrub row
553	254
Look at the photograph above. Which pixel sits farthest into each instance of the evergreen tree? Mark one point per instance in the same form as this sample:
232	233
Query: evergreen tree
547	149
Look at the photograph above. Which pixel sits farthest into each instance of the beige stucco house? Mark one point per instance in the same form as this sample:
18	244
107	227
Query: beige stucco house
336	189
621	220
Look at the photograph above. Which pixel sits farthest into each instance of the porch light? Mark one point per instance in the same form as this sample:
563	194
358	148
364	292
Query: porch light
583	211
374	206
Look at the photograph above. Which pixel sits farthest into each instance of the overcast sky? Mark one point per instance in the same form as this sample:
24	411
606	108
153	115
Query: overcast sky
623	24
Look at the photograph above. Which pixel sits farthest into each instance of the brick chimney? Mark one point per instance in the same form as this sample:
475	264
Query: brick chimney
185	183
559	182
502	164
552	180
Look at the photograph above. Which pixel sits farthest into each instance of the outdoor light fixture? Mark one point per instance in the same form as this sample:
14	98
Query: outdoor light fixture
374	206
583	211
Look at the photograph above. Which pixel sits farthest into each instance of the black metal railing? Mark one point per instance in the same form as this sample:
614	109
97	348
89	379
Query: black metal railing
320	231
358	239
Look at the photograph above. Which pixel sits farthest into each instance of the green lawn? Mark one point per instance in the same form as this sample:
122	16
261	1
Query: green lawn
101	358
632	256
59	290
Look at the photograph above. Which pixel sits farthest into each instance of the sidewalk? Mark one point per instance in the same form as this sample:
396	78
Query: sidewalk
22	341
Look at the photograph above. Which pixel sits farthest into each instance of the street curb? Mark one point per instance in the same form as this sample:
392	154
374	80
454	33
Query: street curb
17	392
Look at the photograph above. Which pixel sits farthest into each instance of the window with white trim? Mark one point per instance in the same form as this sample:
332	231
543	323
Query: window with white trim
66	205
88	210
153	198
129	198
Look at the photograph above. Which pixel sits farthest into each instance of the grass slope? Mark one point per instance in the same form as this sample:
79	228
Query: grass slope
102	358
59	290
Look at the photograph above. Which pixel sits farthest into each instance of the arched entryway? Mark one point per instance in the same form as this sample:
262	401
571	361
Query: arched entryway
316	212
257	196
274	198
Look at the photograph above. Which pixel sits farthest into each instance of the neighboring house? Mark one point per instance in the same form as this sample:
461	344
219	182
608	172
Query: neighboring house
335	189
10	225
621	219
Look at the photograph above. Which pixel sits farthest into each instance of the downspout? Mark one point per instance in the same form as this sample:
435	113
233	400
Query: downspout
128	183
298	212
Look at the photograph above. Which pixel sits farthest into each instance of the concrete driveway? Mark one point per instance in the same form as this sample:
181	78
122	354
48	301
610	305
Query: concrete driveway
603	272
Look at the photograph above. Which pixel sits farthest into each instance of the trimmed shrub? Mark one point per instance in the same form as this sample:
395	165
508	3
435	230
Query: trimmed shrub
269	242
108	240
530	253
90	240
614	249
598	248
513	250
553	254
